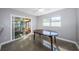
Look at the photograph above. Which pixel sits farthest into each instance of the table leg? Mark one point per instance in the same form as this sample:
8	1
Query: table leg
54	39
34	36
55	42
51	43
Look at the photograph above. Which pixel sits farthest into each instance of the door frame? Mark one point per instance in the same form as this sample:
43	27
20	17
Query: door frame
12	15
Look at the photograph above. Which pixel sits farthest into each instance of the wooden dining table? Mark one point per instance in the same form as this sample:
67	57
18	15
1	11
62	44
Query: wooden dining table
51	34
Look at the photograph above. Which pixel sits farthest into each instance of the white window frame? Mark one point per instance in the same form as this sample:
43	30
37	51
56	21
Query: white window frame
50	22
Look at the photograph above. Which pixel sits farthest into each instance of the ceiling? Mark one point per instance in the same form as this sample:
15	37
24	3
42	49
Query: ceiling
36	12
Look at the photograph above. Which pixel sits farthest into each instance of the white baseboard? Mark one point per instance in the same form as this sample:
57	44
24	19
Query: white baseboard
48	45
3	43
69	41
77	45
23	37
65	40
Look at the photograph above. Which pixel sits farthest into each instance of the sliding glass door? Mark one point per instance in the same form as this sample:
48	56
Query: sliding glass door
20	26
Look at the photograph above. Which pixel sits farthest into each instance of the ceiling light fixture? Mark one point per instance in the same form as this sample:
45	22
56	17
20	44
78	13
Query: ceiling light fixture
41	10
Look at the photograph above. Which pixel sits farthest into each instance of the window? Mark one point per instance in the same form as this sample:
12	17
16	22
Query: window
53	22
46	22
56	21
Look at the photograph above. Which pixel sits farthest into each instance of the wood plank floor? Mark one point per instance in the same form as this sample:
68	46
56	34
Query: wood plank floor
29	45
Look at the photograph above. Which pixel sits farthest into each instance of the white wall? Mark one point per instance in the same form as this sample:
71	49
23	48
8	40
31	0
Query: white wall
5	21
68	21
68	29
77	11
